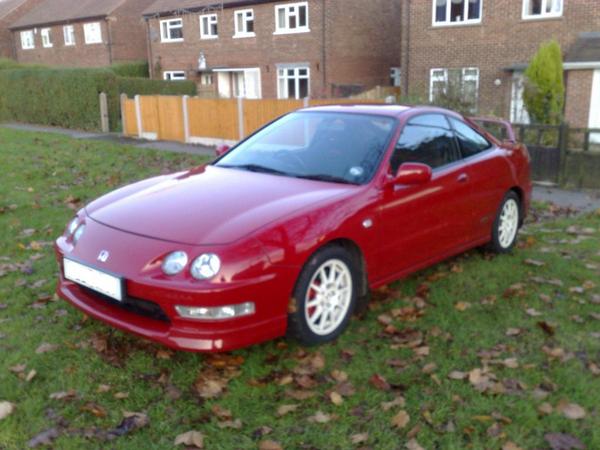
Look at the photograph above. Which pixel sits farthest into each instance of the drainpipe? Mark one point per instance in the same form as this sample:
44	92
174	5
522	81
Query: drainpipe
110	43
149	49
324	48
405	46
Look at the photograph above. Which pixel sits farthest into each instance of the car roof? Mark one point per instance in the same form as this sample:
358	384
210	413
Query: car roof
379	109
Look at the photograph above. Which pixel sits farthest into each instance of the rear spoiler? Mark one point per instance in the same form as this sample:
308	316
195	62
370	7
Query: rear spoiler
506	134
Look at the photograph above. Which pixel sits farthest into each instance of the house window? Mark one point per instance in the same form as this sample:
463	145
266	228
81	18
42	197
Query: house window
174	75
454	12
207	79
171	30
538	9
27	40
93	33
455	85
291	18
293	82
46	41
209	26
395	76
244	23
69	35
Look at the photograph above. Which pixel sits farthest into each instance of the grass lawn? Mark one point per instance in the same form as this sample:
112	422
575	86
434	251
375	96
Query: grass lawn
478	352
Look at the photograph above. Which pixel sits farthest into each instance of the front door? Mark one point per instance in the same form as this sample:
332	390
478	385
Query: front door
430	221
595	108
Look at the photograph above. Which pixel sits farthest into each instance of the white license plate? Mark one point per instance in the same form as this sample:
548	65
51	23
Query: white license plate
94	279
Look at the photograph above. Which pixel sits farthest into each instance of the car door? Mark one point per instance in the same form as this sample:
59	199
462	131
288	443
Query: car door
488	173
425	222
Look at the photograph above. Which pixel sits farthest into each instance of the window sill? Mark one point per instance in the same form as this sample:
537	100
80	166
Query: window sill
298	31
456	24
540	18
28	48
69	45
208	38
48	46
170	41
244	35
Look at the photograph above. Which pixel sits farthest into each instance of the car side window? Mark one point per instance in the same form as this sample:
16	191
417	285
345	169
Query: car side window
430	120
424	144
470	141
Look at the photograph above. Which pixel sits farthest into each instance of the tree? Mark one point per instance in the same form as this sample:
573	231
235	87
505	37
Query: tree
544	94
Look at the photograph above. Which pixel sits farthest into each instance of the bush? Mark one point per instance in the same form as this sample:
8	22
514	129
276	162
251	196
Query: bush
138	86
8	64
69	98
135	69
545	89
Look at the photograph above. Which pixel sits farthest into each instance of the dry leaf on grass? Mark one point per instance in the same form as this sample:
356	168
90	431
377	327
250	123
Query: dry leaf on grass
321	417
191	438
6	409
561	441
269	445
401	419
336	398
359	438
571	410
285	409
413	445
45	348
398	401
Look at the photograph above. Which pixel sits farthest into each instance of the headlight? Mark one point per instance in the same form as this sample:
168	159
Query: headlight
72	226
206	266
78	233
174	263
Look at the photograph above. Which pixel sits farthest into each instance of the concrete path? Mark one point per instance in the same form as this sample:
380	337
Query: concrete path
583	201
116	138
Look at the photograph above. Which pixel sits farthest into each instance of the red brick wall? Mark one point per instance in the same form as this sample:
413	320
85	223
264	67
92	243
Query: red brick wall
128	31
357	51
502	39
6	40
579	88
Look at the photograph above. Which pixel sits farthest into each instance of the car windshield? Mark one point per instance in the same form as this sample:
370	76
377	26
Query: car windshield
333	147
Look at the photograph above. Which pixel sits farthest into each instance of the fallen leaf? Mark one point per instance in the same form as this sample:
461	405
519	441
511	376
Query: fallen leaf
45	348
285	409
547	328
6	409
121	395
380	382
191	438
535	263
269	445
359	438
511	446
571	411
457	375
533	312
321	417
545	408
131	421
412	444
64	395
339	375
210	388
401	419
31	375
336	398
43	438
462	306
398	401
514	332
561	441
94	409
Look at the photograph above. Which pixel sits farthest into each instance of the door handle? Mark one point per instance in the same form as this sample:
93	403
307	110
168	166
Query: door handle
463	178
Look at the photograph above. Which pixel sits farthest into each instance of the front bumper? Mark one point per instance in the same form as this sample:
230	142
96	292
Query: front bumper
149	308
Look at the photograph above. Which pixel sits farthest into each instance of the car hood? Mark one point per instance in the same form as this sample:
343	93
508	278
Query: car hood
209	205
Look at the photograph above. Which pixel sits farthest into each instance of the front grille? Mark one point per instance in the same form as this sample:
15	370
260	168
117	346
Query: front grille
138	306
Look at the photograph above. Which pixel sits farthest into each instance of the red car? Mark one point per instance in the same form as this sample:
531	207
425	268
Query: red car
288	231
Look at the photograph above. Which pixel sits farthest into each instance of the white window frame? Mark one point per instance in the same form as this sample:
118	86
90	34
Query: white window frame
27	40
69	35
396	76
543	14
448	22
442	75
165	30
46	38
211	19
243	33
92	32
291	10
297	77
174	75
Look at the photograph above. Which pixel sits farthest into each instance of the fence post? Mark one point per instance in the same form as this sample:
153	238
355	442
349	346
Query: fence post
138	115
240	108
104	125
123	102
186	119
563	143
306	102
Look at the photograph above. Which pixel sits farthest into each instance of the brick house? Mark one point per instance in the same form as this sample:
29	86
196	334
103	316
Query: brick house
82	33
275	49
485	45
11	10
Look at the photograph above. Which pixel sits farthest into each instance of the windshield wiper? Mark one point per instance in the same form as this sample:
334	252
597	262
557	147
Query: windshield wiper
256	168
325	177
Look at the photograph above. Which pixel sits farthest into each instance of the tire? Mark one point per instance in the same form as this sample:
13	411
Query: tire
318	318
506	225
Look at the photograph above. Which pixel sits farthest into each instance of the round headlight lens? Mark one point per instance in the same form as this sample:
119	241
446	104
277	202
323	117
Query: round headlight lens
174	263
78	233
72	226
206	266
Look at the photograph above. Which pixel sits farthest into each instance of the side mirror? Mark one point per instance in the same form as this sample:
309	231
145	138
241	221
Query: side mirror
222	149
412	174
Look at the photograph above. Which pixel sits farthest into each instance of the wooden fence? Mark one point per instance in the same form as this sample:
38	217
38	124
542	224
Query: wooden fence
197	120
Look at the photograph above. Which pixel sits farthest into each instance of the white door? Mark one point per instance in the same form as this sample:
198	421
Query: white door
518	113
224	84
252	83
595	108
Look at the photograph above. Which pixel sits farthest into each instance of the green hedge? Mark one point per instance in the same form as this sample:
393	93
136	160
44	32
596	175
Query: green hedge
135	69
70	97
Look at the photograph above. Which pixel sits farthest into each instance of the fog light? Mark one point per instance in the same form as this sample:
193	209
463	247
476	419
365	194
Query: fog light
216	313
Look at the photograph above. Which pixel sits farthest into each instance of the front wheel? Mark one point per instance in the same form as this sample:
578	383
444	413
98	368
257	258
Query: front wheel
506	225
325	296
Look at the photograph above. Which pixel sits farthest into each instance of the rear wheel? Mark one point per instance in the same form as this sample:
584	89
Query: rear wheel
506	225
325	296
